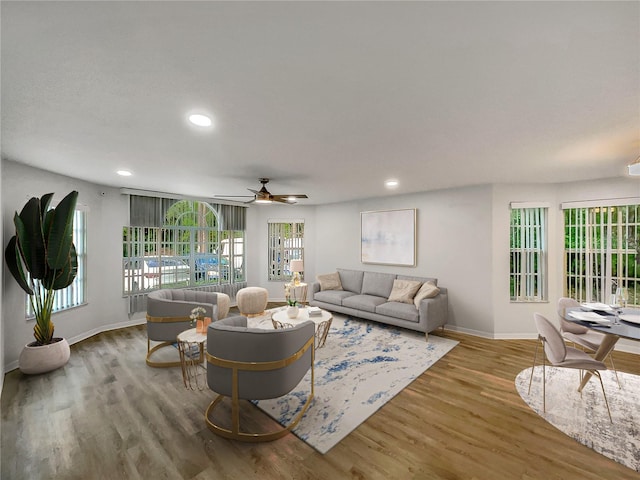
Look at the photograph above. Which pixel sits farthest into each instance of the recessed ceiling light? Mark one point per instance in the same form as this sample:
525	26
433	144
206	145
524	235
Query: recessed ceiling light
200	120
124	173
391	183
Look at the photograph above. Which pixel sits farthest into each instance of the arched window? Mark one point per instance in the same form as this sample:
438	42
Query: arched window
186	246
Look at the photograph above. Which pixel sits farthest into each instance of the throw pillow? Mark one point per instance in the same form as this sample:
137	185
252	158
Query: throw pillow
428	290
329	281
403	291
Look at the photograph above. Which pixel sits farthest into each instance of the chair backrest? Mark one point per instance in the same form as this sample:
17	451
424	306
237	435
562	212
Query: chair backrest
230	340
565	303
554	347
168	311
179	302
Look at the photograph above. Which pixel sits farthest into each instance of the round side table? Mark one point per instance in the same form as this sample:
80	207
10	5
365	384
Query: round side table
191	348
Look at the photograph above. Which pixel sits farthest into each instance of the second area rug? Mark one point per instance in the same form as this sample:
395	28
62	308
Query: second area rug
584	417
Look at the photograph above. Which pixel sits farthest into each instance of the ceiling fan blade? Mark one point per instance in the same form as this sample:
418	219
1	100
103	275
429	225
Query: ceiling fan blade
254	191
232	196
292	195
283	200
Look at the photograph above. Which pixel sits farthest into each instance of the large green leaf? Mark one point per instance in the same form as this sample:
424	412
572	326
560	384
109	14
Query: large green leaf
44	204
14	263
59	279
30	238
60	238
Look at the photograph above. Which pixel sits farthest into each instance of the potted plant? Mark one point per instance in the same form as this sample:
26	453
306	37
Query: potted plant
42	258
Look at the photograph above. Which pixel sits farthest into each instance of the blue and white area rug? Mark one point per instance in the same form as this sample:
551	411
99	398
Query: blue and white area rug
362	366
584	417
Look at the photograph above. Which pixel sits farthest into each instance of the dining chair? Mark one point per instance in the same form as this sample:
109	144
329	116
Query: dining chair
588	339
559	355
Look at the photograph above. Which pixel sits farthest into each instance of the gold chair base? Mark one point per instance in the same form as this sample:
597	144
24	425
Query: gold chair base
236	434
157	347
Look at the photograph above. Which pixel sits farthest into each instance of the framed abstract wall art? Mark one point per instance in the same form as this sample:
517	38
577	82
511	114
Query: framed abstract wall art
388	237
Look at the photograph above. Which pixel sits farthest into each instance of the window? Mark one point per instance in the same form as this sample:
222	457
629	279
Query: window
601	250
528	250
74	294
286	243
189	250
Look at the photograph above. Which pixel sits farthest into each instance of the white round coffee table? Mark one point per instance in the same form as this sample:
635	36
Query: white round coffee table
280	319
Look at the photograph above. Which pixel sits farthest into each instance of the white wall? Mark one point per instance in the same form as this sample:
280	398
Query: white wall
515	320
258	217
462	239
454	245
108	212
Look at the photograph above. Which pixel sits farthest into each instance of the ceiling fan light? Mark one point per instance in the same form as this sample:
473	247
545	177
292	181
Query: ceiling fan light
263	200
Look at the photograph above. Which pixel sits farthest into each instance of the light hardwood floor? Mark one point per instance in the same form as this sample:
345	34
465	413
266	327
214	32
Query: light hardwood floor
106	415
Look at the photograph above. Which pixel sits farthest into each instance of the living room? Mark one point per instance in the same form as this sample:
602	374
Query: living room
462	226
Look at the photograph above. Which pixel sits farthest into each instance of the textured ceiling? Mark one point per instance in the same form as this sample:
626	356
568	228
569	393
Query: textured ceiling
325	98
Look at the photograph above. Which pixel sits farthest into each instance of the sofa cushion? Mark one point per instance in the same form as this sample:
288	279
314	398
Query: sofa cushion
377	284
404	311
329	281
351	280
419	279
403	291
428	290
335	297
368	303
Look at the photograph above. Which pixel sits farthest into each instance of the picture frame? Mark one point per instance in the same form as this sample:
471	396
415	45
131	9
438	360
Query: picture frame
388	237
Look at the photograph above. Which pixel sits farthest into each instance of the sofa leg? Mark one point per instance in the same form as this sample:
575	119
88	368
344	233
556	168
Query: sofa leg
426	336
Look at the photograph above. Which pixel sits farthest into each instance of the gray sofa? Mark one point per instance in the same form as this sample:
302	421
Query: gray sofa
365	295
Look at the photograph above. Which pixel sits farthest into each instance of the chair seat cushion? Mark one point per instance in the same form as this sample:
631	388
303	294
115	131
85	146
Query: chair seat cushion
405	311
578	359
335	297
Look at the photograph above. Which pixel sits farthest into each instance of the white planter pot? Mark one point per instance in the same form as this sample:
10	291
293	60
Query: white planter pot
292	312
44	358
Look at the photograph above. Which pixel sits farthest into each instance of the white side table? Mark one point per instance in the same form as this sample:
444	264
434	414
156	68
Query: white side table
300	292
190	342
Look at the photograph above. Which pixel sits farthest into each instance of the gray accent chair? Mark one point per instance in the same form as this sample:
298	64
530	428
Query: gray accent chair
559	355
168	314
255	364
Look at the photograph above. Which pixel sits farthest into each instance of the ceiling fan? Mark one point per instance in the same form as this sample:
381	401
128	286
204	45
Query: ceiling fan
263	195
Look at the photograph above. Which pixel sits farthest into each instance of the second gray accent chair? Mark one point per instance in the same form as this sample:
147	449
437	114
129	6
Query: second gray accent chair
168	314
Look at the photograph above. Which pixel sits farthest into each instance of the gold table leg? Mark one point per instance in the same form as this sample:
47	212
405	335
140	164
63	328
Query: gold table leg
192	372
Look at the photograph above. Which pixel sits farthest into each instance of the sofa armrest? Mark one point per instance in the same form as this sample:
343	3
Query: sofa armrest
315	288
435	310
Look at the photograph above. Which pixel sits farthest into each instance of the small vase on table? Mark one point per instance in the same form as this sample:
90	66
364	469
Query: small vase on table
292	311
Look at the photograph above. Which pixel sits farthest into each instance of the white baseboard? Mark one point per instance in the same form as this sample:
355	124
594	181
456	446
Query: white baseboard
621	346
